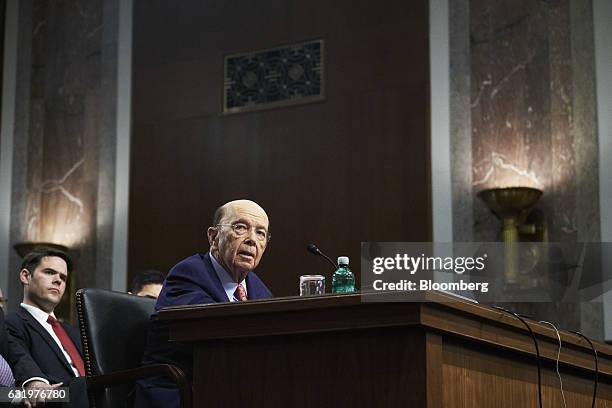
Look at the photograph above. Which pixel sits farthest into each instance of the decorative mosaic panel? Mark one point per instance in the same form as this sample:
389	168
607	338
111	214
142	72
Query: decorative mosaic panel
274	77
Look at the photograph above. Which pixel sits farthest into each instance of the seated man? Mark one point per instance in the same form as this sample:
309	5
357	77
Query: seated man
43	352
238	238
147	283
6	375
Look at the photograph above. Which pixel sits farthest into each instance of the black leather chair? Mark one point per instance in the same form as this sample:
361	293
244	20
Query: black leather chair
113	328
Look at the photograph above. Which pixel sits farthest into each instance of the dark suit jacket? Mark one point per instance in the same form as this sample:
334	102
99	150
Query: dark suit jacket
3	337
192	281
34	353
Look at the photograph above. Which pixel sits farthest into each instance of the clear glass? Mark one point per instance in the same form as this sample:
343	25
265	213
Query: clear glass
312	285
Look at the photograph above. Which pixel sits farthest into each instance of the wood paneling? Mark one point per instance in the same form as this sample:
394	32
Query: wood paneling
329	351
321	379
349	169
486	378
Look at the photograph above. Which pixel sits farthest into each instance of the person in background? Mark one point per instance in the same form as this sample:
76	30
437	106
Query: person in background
238	237
43	352
147	283
3	302
6	374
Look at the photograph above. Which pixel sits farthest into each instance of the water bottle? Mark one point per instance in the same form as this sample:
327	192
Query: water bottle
343	280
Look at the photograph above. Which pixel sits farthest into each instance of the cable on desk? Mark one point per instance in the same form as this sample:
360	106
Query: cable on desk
596	364
558	357
535	342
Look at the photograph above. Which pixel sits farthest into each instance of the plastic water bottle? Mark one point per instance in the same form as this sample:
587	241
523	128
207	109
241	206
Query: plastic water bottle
343	280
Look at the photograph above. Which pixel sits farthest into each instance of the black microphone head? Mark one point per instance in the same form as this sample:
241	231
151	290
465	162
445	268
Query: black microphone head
312	248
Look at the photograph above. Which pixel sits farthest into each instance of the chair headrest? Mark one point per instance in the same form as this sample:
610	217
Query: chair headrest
113	328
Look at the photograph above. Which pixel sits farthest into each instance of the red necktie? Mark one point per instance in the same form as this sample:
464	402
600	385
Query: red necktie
240	293
67	344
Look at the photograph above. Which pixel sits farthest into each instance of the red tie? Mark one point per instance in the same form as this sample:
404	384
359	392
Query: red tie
240	293
67	344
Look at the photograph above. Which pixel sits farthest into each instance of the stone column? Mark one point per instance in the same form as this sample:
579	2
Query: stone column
64	158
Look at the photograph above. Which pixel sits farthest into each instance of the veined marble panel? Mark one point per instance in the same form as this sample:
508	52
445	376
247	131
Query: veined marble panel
67	122
533	122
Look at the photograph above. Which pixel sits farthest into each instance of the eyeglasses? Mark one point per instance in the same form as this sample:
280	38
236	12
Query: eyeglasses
241	229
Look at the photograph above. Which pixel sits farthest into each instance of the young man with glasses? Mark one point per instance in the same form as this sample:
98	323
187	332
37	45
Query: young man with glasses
238	238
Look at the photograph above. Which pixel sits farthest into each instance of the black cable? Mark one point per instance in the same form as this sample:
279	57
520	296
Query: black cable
535	342
596	365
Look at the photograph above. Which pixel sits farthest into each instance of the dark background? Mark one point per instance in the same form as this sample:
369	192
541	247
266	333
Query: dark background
352	168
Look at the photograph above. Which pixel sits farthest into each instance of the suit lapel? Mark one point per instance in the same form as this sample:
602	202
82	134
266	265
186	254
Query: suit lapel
218	292
253	291
34	325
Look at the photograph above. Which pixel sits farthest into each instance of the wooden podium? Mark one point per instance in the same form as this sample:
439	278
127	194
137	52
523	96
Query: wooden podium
360	351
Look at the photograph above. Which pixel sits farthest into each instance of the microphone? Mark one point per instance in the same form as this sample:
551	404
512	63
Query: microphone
312	248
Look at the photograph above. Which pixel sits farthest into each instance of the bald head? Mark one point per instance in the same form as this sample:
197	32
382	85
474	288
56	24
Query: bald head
239	236
230	206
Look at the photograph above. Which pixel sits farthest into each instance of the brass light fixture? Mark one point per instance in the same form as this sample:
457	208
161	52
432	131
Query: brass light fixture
23	248
512	205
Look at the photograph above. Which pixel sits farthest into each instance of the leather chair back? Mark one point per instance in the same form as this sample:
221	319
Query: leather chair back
113	329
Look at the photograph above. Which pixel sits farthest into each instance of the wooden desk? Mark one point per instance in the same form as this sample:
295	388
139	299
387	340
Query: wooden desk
338	351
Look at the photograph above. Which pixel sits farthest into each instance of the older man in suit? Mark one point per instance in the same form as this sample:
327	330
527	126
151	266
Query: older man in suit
45	353
238	238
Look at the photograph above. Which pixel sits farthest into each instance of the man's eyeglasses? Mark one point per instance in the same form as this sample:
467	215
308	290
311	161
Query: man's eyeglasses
241	229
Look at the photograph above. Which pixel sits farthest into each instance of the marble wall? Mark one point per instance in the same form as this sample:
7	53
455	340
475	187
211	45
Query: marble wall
64	157
522	113
527	70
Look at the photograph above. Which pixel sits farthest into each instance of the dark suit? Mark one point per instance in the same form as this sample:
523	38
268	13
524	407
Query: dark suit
34	353
192	281
3	338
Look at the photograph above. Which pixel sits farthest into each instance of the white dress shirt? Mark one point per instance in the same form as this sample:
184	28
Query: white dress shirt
226	280
41	317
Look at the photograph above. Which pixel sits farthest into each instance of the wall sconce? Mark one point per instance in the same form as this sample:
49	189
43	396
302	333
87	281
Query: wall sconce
23	248
512	205
65	310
